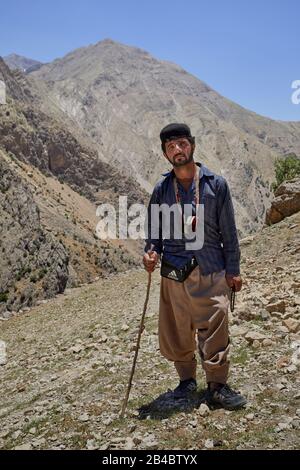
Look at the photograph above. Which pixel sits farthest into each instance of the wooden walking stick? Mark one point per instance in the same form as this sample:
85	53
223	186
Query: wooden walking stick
137	347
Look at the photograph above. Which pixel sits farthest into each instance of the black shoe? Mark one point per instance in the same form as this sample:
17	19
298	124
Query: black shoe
184	388
226	398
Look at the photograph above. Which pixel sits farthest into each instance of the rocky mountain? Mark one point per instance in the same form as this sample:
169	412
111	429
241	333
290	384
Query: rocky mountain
84	130
44	156
121	97
19	62
68	362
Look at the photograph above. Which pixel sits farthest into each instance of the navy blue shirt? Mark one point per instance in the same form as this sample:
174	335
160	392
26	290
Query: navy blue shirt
221	247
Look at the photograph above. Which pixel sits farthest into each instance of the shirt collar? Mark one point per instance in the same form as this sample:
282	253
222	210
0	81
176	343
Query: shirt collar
203	171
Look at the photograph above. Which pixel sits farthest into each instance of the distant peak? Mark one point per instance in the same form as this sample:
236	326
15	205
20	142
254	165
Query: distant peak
15	56
108	41
16	61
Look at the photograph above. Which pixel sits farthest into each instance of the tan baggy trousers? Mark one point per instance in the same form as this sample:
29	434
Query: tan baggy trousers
197	306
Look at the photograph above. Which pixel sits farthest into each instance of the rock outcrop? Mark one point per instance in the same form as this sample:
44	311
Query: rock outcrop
286	202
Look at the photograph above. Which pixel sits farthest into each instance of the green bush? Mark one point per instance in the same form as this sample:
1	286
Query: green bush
286	168
3	296
42	273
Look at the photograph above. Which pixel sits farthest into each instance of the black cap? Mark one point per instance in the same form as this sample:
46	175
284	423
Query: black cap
174	131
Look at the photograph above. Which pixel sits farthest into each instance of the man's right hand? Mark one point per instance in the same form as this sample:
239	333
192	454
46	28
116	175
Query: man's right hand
150	260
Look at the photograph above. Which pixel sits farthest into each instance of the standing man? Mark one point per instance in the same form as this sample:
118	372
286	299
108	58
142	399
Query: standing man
195	283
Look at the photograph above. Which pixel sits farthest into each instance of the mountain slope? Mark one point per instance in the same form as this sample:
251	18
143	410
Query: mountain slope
34	264
51	142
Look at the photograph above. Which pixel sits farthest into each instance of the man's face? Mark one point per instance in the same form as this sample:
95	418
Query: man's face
179	151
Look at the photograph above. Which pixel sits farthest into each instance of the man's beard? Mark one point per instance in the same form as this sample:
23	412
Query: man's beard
184	161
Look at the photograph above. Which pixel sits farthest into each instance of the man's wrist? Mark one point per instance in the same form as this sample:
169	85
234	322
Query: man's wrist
151	248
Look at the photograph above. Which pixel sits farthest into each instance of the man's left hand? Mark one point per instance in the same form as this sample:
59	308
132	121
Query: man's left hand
235	281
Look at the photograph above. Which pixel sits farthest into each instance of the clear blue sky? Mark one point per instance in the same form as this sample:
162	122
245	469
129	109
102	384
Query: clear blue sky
247	50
